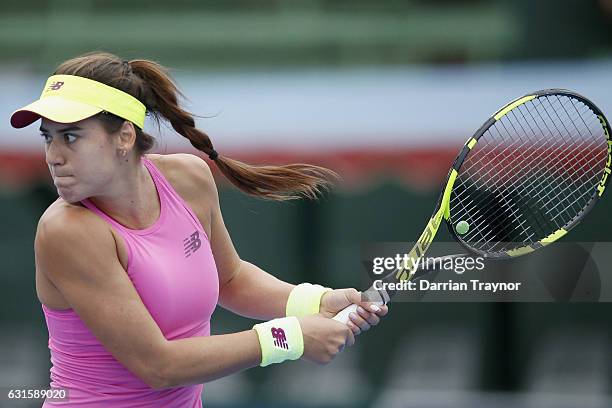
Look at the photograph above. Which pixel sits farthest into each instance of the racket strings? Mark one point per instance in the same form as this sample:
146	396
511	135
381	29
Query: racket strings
574	163
526	167
518	166
500	133
532	172
567	196
517	140
522	167
537	219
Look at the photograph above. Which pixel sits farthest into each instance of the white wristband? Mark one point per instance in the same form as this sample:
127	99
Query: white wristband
280	340
305	299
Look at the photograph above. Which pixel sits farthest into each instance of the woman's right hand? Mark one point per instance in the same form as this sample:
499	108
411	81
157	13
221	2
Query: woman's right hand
324	338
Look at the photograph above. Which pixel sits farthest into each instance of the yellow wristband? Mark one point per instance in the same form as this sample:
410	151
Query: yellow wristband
305	299
280	340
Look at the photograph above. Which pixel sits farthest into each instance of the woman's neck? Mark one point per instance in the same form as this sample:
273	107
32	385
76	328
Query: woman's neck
133	200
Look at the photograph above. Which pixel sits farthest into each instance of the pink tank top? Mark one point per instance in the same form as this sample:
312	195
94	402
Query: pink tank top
172	267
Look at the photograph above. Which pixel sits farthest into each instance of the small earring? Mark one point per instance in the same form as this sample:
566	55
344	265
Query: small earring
124	153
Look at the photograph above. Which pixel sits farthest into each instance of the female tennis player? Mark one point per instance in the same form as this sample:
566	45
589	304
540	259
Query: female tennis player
134	256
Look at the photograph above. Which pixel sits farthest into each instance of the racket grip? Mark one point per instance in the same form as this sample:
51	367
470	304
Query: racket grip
343	315
375	298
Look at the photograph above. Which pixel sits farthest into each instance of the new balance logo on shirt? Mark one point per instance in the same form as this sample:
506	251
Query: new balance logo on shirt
192	243
280	340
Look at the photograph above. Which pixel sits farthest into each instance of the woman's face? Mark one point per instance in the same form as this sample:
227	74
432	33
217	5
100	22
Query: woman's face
82	158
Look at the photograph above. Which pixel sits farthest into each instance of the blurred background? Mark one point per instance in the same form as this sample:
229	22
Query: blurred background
385	93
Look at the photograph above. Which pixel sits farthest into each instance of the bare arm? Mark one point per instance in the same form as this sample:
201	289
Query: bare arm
254	293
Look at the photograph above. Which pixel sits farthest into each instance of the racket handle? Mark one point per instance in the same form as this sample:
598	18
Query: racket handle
376	298
343	315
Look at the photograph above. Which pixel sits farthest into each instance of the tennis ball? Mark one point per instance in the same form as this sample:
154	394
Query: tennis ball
462	227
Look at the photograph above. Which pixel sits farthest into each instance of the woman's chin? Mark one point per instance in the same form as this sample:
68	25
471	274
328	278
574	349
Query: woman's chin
68	195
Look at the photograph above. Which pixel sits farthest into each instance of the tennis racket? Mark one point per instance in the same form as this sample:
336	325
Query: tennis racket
530	174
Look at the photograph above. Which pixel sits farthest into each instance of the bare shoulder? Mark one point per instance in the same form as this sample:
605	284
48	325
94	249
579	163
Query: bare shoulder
189	174
65	229
62	217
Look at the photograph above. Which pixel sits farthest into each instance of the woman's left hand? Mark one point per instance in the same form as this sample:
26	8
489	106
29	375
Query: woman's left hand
368	314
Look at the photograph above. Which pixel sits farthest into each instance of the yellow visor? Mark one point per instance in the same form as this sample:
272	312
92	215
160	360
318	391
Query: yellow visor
69	98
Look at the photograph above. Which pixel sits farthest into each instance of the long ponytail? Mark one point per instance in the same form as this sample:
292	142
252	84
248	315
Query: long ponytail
151	83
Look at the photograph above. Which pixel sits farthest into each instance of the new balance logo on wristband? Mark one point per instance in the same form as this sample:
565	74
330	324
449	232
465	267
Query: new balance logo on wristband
280	340
192	243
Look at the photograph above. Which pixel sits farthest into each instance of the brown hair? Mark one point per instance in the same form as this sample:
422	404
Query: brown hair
150	83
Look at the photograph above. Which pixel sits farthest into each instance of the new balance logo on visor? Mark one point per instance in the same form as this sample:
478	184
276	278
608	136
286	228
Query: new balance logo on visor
280	340
56	85
192	243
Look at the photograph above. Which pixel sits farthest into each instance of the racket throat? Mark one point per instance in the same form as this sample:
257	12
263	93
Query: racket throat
380	296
